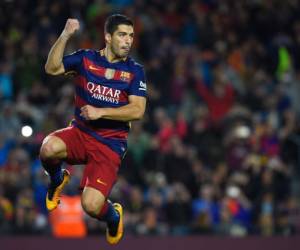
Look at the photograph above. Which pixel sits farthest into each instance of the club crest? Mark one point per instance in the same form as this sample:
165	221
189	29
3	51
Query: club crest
125	76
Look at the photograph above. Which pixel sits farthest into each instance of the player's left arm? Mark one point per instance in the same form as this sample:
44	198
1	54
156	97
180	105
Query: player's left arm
134	110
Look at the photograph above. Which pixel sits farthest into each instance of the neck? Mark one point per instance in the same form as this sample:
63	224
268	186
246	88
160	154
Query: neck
111	57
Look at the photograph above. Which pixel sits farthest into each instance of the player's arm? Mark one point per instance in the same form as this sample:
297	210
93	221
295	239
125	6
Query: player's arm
134	110
54	64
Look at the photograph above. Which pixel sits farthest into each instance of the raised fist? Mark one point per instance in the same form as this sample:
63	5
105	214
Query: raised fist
71	26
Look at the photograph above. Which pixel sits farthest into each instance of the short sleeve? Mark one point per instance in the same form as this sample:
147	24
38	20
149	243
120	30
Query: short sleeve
138	85
73	61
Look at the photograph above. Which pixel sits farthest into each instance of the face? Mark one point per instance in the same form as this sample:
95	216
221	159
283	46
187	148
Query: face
120	41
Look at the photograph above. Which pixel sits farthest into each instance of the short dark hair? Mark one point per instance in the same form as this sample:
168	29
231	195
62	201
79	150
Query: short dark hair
113	21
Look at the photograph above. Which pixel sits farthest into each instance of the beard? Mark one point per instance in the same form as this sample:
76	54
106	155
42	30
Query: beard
119	52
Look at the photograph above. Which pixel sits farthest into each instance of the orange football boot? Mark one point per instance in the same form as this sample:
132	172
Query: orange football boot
115	239
53	194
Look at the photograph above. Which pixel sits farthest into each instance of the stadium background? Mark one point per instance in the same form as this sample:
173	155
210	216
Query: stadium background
218	152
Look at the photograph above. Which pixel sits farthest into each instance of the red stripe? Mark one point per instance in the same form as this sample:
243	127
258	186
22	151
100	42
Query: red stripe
119	75
112	133
79	102
82	82
123	96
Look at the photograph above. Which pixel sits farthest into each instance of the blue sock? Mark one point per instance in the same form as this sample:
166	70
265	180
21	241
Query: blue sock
57	176
111	217
54	170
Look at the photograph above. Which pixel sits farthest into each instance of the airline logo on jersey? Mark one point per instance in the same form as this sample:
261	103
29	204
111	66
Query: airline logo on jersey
104	93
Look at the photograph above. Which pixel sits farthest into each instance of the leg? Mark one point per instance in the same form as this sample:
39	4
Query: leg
64	144
96	205
53	148
92	201
52	152
99	176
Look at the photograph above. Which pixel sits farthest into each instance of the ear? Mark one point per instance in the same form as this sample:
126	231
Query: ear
108	38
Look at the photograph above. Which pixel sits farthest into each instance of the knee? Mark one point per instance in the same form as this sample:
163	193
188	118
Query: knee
92	206
49	149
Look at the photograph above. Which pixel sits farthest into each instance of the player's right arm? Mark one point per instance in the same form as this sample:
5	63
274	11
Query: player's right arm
54	64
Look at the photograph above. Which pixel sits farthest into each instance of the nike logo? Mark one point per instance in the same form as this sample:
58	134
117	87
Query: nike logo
93	67
101	182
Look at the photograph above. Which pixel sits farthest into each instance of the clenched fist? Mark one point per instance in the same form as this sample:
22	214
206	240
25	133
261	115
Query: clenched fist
71	26
91	113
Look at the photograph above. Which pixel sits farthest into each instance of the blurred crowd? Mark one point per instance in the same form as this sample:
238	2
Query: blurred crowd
218	151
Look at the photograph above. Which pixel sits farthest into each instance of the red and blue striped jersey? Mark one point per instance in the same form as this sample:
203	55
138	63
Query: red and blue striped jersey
103	84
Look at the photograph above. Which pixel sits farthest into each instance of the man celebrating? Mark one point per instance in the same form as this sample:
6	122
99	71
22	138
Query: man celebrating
110	92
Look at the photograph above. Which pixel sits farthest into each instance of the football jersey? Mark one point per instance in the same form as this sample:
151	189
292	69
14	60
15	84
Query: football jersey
102	84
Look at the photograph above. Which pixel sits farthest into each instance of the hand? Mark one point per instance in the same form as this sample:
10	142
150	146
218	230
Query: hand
91	113
71	26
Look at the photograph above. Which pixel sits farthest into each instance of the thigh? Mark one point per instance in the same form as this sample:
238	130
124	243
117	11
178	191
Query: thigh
71	136
101	169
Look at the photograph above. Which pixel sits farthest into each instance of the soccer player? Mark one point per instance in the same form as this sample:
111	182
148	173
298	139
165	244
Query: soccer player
110	91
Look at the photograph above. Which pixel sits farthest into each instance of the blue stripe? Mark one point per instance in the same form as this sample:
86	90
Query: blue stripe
103	123
117	145
83	95
95	56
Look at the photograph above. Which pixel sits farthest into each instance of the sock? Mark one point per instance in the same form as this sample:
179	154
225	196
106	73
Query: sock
53	168
110	216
